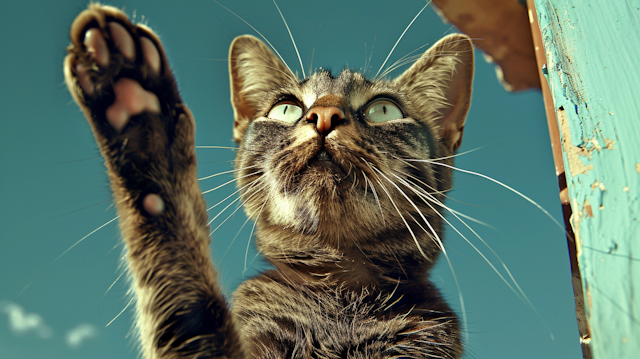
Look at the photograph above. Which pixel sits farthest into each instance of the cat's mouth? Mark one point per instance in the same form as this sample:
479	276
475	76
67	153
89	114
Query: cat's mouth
325	160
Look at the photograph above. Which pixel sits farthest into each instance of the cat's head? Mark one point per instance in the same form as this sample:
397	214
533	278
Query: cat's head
339	164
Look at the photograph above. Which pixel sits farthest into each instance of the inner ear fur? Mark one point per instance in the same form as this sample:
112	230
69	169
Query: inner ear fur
254	70
443	76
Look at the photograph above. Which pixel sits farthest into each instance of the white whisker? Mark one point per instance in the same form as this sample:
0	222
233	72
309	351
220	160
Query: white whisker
122	311
229	196
259	33
65	252
230	181
236	210
229	205
400	38
226	148
225	172
501	184
433	231
292	40
116	281
234	239
519	293
375	194
246	254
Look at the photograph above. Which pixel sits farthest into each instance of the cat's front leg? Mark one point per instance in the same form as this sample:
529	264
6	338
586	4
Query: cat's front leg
119	75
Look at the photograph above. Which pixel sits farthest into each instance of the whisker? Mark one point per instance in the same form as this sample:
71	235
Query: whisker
259	33
373	190
229	205
234	212
116	281
229	196
433	231
227	148
234	239
400	38
501	184
225	172
291	36
401	62
435	234
415	239
246	253
435	200
122	311
230	181
65	252
519	293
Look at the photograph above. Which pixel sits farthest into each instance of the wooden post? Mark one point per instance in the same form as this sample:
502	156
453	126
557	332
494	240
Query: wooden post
593	70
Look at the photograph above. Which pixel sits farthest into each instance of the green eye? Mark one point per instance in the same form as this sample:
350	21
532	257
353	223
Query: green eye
383	111
285	111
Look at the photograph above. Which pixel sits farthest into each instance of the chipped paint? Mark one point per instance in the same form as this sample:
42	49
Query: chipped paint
588	211
576	166
608	144
575	219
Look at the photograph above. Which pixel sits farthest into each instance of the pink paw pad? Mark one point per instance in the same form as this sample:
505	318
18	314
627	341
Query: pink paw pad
153	204
131	100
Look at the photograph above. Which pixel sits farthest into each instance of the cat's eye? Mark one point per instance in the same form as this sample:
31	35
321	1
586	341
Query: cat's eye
286	111
382	111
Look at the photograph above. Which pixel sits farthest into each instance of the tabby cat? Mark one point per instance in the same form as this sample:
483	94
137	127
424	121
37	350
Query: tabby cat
344	176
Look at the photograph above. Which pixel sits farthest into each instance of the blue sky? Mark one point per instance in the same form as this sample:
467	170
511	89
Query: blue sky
53	190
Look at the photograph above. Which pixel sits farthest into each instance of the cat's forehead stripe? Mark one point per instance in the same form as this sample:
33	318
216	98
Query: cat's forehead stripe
352	86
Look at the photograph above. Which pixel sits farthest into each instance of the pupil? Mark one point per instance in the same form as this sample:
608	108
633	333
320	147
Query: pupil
285	110
384	109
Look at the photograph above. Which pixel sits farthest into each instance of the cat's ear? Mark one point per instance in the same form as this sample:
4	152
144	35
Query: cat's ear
442	80
254	70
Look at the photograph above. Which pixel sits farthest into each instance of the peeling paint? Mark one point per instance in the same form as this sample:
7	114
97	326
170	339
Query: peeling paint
576	166
638	167
596	144
586	207
608	144
575	219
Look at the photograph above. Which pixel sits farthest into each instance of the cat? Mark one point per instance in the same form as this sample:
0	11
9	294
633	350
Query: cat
344	176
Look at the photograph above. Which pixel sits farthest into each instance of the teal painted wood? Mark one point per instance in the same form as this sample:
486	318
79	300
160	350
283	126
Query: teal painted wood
593	57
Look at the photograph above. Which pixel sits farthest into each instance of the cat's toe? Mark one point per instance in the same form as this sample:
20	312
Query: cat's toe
97	47
122	41
151	56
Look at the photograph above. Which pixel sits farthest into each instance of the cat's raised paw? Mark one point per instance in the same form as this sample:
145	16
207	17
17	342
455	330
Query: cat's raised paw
115	67
119	75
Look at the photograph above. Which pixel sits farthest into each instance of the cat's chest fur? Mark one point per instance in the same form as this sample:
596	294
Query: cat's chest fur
318	321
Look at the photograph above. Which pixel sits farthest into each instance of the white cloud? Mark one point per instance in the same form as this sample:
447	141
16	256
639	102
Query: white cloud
21	322
79	334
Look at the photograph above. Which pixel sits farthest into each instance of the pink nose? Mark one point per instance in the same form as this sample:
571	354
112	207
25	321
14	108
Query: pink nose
325	117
